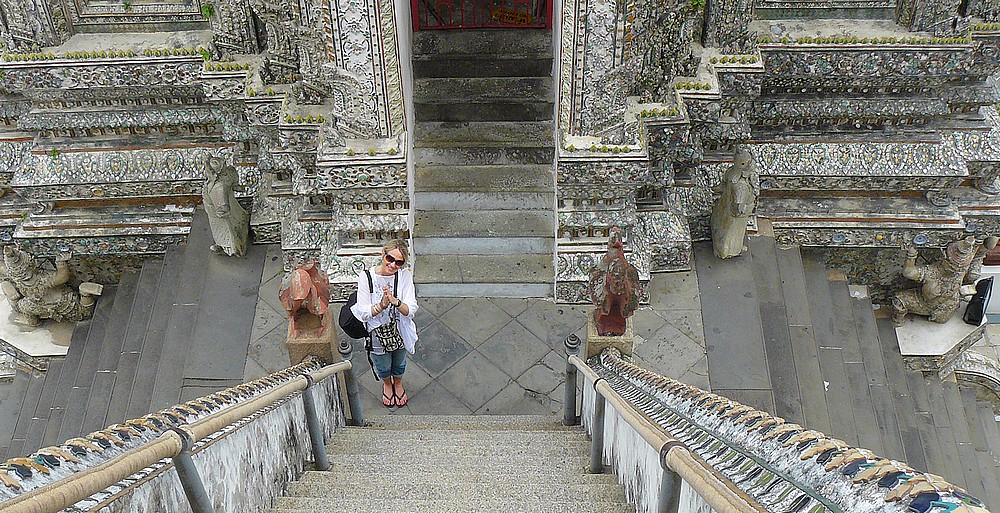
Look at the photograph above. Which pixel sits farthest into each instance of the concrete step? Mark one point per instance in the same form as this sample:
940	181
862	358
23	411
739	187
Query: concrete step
523	178
484	154
114	340
530	65
564	461
482	89
340	475
970	477
19	445
830	351
986	464
183	316
516	268
474	201
484	110
905	410
153	335
494	436
390	489
128	363
483	245
774	325
483	42
67	376
486	223
948	462
486	290
474	442
83	377
465	505
443	133
43	411
487	423
805	352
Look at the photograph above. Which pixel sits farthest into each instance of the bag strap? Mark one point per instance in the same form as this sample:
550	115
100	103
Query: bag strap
368	339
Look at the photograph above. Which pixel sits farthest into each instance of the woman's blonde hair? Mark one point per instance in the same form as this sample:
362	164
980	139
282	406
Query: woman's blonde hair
399	244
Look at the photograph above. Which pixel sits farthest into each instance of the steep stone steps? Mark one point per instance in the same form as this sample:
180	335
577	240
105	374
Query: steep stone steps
103	382
832	363
484	222
457	463
11	398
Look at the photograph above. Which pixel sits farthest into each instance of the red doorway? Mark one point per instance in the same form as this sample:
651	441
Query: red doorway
454	14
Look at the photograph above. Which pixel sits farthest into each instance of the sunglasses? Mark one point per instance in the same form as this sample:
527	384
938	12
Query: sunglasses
399	263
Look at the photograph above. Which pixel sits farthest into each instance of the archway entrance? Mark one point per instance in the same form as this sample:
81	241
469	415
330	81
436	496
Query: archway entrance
454	14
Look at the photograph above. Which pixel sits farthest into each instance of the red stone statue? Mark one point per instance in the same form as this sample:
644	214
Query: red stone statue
614	288
306	290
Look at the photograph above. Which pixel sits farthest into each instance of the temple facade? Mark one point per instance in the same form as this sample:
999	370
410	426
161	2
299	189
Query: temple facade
873	125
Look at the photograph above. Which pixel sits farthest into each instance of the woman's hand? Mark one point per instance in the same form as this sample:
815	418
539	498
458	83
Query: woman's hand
387	297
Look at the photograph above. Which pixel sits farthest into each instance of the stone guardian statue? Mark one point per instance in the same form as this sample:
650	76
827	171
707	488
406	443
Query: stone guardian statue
943	283
614	288
731	211
230	223
36	294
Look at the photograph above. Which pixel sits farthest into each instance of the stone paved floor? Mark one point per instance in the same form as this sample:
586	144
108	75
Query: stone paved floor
500	356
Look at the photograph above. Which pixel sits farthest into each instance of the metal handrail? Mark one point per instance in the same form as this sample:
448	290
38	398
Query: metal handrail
173	443
716	489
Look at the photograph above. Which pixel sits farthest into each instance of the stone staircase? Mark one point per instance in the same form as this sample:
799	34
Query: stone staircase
800	343
484	191
472	464
156	339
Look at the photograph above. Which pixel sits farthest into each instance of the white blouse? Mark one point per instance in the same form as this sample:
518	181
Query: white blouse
367	299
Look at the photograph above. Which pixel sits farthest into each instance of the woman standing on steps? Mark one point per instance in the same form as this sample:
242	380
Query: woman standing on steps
387	309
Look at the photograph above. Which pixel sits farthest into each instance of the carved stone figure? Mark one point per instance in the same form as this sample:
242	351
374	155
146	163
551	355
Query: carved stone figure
305	288
732	210
37	294
943	283
614	288
230	223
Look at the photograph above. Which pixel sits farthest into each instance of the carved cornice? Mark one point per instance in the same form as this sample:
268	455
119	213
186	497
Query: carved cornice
101	73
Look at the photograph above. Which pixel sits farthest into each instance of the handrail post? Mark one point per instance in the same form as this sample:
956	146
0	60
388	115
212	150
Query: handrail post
191	481
312	422
597	435
353	397
570	417
670	491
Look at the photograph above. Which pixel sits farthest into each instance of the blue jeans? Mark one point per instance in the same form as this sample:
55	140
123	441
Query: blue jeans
390	364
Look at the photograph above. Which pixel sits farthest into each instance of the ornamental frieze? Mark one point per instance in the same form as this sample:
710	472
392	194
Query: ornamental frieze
298	139
144	165
263	112
587	219
367	196
15	154
266	233
859	182
190	188
121	118
571	194
371	223
151	72
305	234
779	111
124	96
832	237
740	84
607	172
668	239
143	244
879	63
574	265
347	177
860	159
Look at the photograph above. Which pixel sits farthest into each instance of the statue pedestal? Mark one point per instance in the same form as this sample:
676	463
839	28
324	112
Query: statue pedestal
34	347
928	346
597	343
310	342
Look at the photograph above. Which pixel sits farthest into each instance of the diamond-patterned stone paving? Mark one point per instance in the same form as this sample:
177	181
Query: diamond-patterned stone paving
500	355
